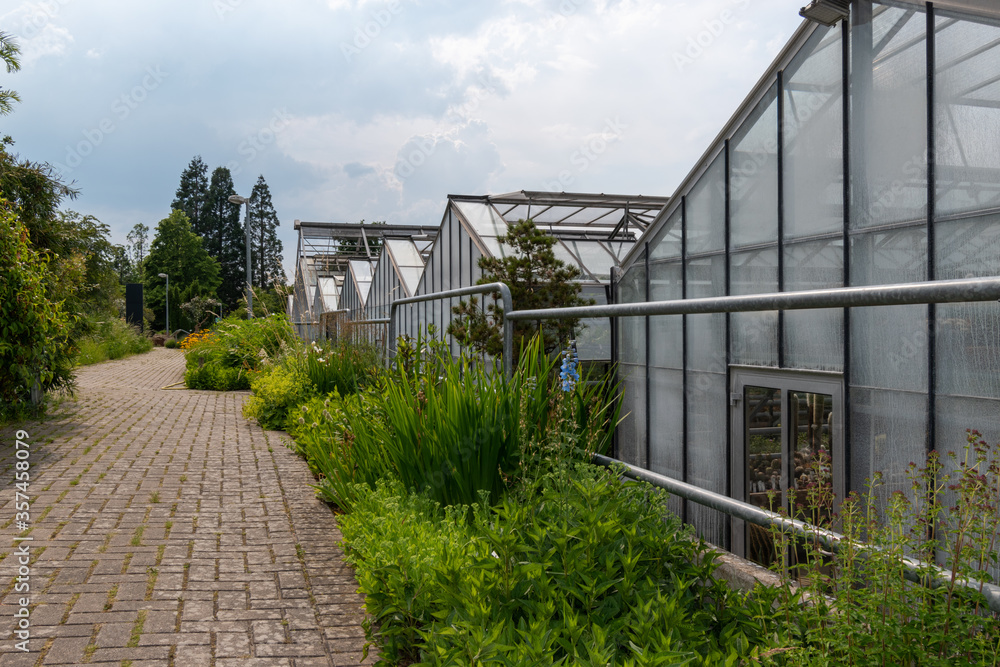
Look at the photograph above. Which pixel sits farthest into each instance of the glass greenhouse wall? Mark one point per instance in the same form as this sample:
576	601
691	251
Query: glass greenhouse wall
357	282
396	276
867	156
593	233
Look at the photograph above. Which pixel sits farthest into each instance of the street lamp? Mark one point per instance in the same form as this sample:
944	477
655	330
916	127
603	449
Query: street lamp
238	200
163	275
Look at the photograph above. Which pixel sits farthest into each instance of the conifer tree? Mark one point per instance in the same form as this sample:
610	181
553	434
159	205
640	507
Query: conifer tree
265	245
224	237
537	279
192	194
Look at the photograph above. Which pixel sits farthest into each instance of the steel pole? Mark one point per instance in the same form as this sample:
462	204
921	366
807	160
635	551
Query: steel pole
249	282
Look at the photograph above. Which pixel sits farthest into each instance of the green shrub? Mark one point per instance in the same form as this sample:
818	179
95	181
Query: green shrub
223	360
277	392
952	515
112	338
170	344
589	571
34	338
343	367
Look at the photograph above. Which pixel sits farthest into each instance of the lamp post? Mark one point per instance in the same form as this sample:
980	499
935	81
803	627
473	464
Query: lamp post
238	200
163	275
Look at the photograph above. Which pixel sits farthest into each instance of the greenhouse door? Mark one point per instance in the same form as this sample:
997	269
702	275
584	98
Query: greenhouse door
789	450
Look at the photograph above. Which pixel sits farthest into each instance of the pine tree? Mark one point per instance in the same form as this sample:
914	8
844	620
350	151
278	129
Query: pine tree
265	245
537	279
192	194
224	237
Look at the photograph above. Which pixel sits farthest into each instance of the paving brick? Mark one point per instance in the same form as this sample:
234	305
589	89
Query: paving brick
228	574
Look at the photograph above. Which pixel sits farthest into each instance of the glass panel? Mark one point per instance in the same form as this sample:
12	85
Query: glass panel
889	345
754	335
811	422
593	338
764	482
483	218
888	431
596	259
967	129
889	119
632	431
632	289
968	335
753	180
813	169
706	210
667	242
667	422
666	331
814	339
707	449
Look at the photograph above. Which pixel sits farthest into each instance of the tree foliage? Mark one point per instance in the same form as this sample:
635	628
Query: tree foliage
34	329
10	54
177	251
536	278
224	237
267	269
192	195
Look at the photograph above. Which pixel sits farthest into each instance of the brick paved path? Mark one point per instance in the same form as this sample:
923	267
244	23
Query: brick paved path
168	530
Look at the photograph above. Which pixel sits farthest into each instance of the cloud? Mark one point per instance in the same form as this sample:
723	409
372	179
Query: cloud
357	170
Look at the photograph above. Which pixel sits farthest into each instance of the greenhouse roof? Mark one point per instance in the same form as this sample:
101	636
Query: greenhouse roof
593	231
568	214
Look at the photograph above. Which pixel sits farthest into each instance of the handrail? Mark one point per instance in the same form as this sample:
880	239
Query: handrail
508	306
938	291
917	571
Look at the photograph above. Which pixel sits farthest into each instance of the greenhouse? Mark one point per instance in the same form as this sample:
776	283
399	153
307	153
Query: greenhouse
593	232
397	273
866	156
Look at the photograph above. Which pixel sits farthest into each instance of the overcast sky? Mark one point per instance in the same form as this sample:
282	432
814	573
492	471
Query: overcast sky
378	109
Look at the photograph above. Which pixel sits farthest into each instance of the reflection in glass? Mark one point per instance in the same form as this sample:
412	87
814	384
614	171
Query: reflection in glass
764	474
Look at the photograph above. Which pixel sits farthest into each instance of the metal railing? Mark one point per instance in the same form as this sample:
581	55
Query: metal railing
916	571
942	291
489	288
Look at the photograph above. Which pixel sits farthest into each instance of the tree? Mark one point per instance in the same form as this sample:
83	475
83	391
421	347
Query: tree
10	54
224	238
267	269
137	242
34	332
192	195
82	267
536	278
177	251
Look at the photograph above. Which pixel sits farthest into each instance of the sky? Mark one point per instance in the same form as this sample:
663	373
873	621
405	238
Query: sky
378	109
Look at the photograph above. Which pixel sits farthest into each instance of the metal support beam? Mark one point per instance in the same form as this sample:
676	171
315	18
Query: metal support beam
940	291
508	325
916	571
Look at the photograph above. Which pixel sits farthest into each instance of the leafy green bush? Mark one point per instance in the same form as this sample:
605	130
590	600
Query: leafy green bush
111	339
343	367
587	572
222	361
34	338
277	392
864	611
170	344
